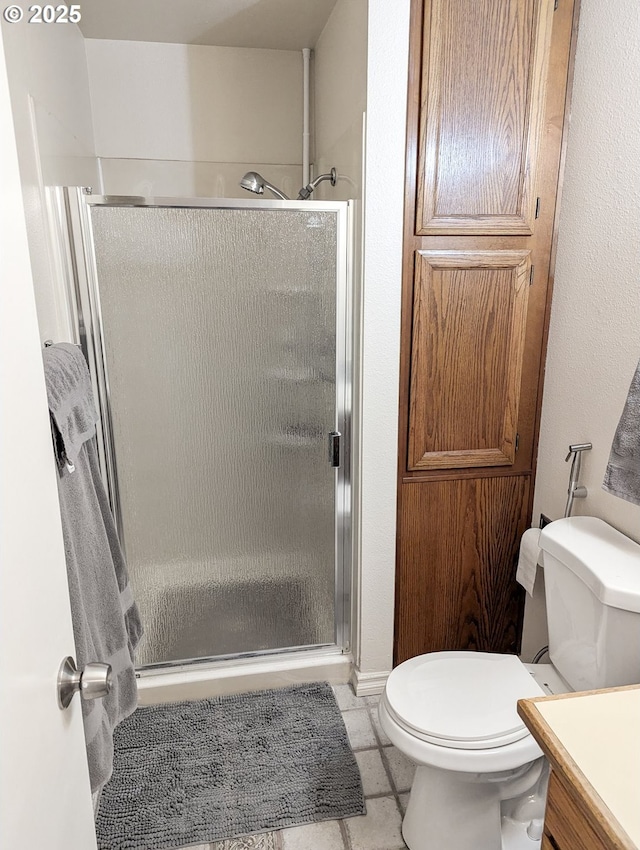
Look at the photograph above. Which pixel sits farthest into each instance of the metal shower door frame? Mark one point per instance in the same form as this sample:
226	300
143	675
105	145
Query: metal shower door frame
70	213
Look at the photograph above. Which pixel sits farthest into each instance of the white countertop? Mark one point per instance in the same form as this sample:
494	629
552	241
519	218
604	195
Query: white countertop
601	733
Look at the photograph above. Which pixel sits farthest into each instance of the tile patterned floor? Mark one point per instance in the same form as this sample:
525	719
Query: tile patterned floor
386	778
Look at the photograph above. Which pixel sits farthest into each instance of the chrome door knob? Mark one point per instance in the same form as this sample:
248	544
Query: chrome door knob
93	682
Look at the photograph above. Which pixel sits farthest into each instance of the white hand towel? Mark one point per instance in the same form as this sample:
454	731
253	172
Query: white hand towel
528	559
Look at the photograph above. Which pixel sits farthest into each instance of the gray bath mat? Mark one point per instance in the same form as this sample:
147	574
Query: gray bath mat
193	772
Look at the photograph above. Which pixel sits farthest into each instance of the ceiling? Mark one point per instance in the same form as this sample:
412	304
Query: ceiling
274	24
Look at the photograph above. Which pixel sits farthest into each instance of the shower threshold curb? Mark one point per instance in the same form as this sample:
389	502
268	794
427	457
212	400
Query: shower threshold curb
220	678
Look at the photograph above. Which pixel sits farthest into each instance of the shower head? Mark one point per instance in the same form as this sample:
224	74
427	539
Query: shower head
254	182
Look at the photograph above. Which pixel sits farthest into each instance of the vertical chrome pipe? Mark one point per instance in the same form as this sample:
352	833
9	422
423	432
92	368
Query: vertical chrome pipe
306	136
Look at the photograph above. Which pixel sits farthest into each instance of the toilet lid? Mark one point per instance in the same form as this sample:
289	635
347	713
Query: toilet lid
464	700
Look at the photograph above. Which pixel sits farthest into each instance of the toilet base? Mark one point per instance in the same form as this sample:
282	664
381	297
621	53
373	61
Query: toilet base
514	836
455	811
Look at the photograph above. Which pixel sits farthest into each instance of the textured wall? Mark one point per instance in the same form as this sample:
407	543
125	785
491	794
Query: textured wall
594	343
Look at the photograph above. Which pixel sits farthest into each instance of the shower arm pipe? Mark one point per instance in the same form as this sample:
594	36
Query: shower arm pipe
306	191
306	172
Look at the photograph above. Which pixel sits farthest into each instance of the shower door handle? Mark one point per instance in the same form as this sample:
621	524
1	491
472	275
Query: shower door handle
334	448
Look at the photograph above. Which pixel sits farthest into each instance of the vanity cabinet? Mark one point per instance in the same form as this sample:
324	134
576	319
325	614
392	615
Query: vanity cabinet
488	94
565	826
592	742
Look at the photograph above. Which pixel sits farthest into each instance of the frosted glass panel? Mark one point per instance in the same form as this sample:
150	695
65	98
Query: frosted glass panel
219	330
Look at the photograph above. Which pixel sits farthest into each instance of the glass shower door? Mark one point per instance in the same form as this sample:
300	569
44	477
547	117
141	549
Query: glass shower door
220	348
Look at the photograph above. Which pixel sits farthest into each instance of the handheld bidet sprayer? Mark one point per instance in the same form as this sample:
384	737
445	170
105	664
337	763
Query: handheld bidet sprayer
575	490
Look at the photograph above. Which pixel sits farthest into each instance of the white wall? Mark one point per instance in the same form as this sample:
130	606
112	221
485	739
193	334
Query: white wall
47	72
387	64
340	97
594	344
188	119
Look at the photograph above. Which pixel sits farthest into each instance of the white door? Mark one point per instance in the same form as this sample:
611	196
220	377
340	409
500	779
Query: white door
45	799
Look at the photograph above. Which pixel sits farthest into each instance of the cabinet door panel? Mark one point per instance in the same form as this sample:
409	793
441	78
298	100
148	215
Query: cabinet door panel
469	322
457	549
483	81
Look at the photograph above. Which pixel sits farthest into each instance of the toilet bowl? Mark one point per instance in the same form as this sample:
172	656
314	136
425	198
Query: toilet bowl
480	780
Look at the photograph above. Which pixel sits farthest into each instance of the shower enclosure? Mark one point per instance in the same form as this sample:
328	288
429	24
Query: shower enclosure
217	333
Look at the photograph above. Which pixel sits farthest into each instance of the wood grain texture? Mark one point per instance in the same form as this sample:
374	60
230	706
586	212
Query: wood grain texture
483	86
571	826
540	243
469	323
456	560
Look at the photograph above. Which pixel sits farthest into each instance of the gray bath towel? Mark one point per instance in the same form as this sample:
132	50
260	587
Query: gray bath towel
106	623
622	476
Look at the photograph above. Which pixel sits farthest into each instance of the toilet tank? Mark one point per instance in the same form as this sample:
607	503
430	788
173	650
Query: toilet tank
592	589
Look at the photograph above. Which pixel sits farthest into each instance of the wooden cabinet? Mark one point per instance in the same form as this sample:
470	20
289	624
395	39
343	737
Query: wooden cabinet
483	81
486	122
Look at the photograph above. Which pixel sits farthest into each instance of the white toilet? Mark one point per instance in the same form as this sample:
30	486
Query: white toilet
480	782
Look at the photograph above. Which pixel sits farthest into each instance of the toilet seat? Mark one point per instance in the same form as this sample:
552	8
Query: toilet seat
461	700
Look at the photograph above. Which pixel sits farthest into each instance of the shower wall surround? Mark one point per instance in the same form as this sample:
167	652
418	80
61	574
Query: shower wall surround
188	120
340	97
